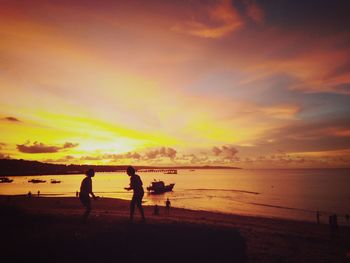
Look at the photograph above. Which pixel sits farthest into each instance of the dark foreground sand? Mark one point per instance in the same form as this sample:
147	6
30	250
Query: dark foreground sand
50	230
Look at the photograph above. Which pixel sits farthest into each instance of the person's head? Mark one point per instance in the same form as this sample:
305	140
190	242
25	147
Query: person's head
130	170
90	173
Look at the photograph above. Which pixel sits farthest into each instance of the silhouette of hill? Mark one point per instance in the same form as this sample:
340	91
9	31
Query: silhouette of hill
13	167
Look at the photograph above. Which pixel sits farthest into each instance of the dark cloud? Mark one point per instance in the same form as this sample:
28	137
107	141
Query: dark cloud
161	152
37	147
13	119
313	135
70	145
226	152
4	156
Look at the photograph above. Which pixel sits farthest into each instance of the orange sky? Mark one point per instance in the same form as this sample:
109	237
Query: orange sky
239	83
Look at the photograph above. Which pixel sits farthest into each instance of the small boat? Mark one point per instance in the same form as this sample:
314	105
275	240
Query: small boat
54	181
5	180
36	181
158	187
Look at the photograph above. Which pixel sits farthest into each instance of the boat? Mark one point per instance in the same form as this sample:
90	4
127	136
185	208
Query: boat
54	181
158	187
5	180
36	181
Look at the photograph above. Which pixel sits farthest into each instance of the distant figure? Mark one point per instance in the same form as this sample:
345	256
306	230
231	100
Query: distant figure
136	186
85	192
156	210
77	194
29	194
167	206
347	217
318	217
335	222
38	193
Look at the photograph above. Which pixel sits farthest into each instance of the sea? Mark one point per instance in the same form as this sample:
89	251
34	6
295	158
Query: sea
291	194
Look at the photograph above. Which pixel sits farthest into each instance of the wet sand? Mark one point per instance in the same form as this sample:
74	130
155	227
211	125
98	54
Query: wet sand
49	229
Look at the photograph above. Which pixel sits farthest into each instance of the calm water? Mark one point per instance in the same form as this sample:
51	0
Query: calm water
293	194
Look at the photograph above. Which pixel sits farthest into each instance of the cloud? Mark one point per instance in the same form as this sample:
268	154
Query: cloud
37	147
211	21
161	152
4	156
13	119
128	155
254	11
225	152
70	145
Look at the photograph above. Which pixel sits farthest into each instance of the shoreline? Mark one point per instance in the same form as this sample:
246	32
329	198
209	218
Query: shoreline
266	239
323	221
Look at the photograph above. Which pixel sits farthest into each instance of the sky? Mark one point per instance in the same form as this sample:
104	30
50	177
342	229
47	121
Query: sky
246	83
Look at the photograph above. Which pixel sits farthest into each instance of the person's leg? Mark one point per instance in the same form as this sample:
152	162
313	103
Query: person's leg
85	200
139	205
87	212
132	208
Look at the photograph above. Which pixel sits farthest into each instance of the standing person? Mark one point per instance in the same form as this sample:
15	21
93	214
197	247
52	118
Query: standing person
136	186
318	217
167	205
86	191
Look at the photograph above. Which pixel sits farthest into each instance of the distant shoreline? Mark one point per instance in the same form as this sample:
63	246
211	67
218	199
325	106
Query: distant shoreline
14	167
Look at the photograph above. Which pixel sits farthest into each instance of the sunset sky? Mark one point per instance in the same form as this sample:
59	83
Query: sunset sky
254	84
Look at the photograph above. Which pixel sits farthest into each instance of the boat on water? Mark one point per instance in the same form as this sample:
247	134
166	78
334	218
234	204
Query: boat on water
36	181
54	181
158	187
5	180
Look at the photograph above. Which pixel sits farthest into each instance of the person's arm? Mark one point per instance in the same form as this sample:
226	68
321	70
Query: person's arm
91	192
130	187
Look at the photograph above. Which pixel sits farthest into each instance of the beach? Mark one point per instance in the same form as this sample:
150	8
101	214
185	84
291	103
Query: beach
50	228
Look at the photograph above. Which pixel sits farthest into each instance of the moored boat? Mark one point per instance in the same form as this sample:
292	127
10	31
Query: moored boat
54	181
36	181
5	180
158	187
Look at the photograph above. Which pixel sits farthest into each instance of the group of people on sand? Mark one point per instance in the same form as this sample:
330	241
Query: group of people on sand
135	185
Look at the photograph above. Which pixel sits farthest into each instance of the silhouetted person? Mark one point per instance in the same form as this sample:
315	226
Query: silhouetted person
156	210
333	223
77	194
86	191
38	193
29	194
136	186
167	206
318	217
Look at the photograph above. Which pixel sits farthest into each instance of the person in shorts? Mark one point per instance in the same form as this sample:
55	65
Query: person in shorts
85	192
136	186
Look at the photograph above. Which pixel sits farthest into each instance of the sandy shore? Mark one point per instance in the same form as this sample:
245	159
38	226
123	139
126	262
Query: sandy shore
54	225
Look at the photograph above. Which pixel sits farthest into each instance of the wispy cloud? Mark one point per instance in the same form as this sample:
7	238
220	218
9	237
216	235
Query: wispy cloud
12	119
38	147
211	21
